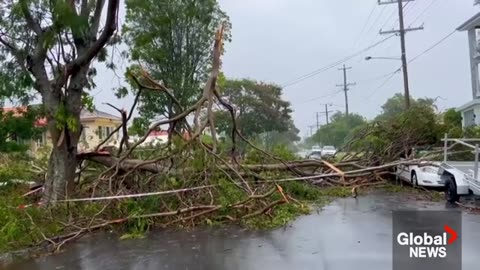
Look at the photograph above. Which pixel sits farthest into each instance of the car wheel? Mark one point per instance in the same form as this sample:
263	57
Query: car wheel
414	179
451	194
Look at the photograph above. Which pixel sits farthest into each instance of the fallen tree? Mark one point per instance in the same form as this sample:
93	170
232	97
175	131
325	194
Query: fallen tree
190	181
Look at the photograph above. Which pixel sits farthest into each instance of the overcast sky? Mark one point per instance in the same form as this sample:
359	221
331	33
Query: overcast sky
280	40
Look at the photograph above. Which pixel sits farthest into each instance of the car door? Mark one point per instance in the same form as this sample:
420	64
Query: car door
403	171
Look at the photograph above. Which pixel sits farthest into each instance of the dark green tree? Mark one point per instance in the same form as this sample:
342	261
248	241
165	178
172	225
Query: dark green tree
17	126
46	48
452	120
392	138
339	130
172	40
139	126
260	111
396	105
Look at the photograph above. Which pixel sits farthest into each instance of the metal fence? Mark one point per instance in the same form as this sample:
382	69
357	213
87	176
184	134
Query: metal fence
465	142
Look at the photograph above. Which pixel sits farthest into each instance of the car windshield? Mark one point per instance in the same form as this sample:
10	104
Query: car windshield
328	148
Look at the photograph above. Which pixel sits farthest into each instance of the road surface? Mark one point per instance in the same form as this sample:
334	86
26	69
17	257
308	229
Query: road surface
347	234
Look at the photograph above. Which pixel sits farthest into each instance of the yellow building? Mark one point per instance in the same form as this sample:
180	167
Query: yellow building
96	126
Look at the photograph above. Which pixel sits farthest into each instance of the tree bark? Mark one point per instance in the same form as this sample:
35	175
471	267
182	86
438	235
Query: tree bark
63	158
61	173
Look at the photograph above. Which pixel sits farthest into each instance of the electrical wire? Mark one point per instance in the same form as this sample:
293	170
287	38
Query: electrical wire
375	23
328	67
365	25
390	75
388	19
320	97
423	11
433	46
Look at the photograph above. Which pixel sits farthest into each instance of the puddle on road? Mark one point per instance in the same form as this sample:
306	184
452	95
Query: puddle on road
347	234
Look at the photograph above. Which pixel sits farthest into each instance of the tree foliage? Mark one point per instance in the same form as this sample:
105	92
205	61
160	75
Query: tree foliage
139	126
18	126
46	48
339	130
396	105
394	133
452	120
260	111
172	40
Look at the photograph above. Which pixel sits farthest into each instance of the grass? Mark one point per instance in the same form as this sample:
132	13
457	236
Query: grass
21	228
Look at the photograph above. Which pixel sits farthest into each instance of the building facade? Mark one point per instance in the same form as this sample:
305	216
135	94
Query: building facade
471	110
96	126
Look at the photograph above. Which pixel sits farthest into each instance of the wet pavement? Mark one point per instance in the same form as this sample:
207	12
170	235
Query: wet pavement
347	234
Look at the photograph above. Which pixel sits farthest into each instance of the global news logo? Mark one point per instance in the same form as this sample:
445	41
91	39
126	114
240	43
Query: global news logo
427	246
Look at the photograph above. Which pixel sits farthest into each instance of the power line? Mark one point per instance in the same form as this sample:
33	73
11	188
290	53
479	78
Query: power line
390	75
389	17
433	46
374	78
365	25
320	97
323	69
407	7
423	12
373	24
405	10
376	20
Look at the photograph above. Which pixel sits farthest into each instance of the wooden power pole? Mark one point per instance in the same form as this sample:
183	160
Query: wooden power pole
345	86
401	31
326	112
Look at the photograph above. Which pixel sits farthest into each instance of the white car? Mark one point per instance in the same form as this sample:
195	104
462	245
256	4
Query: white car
421	175
315	154
328	151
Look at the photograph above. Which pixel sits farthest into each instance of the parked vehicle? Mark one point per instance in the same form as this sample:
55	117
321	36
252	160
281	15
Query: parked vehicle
316	154
328	151
421	175
461	177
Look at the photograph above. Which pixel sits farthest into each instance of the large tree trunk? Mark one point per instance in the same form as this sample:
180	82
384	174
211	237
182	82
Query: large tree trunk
59	182
61	173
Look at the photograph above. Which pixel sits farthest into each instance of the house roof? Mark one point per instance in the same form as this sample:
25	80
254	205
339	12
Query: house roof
469	105
19	111
155	133
471	23
85	114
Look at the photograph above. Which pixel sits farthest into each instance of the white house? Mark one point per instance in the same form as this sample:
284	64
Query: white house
471	110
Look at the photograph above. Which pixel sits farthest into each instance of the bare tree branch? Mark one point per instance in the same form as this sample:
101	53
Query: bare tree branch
31	23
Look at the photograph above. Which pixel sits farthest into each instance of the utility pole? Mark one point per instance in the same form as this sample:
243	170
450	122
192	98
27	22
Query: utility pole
327	111
326	114
402	32
345	86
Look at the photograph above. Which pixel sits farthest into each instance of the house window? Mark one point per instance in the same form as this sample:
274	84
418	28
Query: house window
103	132
100	132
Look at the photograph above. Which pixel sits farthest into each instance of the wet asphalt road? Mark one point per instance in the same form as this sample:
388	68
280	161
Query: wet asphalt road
347	234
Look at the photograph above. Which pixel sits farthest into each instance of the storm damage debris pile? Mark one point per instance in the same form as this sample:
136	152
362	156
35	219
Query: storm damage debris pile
192	180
